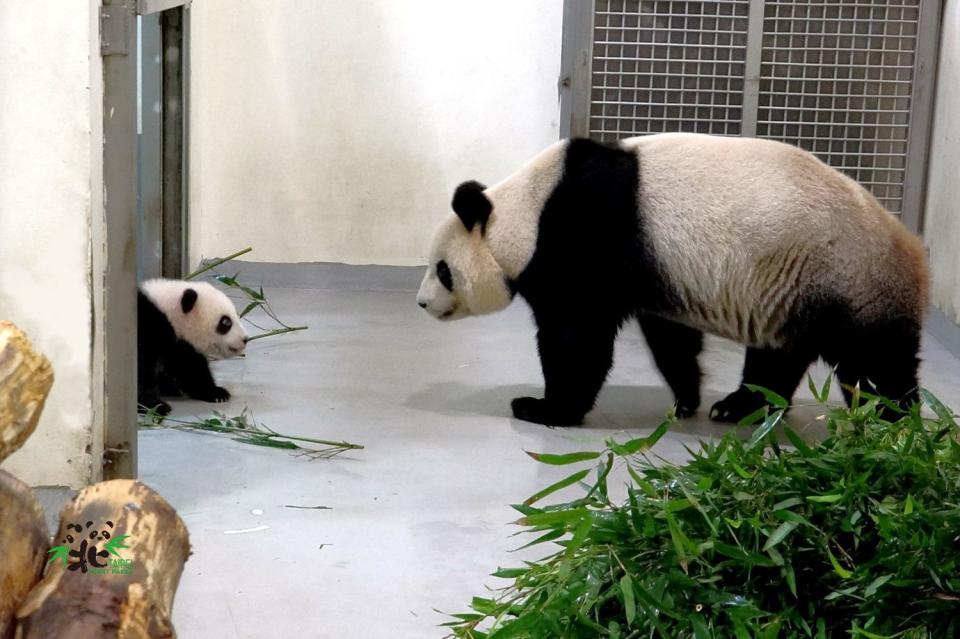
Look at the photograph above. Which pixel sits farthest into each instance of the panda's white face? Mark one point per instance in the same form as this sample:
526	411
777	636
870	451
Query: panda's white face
200	314
462	278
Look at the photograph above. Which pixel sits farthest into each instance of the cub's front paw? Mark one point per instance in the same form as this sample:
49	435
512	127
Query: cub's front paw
215	394
538	411
737	405
683	410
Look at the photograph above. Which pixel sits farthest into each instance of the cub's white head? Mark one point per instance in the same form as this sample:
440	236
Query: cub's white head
463	278
200	314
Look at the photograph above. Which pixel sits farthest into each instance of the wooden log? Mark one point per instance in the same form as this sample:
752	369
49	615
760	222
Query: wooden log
115	568
23	547
25	380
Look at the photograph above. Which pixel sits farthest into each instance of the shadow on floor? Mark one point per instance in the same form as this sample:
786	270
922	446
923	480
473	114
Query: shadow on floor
618	408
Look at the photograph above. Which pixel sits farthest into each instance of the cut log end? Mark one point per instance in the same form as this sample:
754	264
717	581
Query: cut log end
117	561
23	547
25	380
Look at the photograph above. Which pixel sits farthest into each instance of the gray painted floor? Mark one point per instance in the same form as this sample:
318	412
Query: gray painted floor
418	519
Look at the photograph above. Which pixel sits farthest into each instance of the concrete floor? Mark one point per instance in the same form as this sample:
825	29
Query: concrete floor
418	519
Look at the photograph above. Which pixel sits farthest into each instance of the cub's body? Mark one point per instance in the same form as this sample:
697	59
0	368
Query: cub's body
179	324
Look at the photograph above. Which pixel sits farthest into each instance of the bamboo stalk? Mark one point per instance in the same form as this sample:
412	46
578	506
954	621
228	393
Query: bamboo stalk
279	331
217	262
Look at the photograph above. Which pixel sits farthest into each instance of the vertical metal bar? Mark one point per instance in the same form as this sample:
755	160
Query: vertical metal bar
921	115
149	173
575	58
171	26
185	123
115	293
751	70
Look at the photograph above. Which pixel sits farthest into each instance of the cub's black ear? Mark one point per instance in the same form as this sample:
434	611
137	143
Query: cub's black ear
188	300
471	205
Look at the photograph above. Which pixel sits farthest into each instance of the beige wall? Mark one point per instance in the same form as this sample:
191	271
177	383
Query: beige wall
942	221
45	202
336	131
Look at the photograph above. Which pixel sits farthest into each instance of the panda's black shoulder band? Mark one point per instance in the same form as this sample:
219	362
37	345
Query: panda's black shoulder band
471	205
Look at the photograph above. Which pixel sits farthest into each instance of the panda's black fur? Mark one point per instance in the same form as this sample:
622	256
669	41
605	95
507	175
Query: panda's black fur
593	268
167	365
575	337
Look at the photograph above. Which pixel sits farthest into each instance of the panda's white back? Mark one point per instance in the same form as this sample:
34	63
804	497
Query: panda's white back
744	227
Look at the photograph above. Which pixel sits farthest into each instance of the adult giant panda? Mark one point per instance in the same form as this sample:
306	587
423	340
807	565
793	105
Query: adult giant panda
179	324
753	240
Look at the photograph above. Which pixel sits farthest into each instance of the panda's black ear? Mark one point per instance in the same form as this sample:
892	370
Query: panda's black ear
188	300
471	205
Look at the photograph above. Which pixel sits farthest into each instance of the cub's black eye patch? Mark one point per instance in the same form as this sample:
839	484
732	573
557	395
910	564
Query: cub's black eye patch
224	326
443	274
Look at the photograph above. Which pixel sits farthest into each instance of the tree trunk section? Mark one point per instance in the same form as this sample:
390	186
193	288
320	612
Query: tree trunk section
25	380
95	594
23	547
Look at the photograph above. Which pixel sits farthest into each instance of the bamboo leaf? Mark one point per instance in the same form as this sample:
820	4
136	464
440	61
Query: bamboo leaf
561	460
552	488
772	398
629	602
782	532
840	570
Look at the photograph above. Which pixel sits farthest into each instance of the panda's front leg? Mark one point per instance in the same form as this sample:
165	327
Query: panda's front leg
192	373
575	358
148	391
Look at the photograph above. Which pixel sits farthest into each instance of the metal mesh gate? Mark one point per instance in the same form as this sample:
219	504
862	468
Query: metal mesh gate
848	80
667	66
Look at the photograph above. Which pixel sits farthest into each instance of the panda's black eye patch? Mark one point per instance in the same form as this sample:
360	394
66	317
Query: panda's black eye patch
224	326
443	274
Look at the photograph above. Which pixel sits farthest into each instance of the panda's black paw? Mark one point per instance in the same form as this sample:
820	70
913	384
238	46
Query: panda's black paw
683	410
214	394
736	406
538	411
155	404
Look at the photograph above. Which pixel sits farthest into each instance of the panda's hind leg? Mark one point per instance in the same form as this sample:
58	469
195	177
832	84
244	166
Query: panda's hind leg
882	360
776	369
675	349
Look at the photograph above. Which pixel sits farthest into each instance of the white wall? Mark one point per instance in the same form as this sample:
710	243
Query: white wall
336	131
942	221
45	203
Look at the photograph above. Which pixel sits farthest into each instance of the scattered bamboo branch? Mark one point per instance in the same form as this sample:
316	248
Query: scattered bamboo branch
209	266
279	331
255	298
248	431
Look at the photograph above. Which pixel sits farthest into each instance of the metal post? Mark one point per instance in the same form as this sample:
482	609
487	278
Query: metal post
115	294
751	70
172	161
575	56
921	115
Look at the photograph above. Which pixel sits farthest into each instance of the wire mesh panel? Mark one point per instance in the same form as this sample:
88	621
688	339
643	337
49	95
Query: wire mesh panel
835	77
836	80
667	65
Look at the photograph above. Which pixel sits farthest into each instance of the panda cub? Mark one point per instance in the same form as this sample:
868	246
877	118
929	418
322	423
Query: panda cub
752	240
179	324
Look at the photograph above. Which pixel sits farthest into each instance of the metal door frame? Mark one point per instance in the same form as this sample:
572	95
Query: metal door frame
114	232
